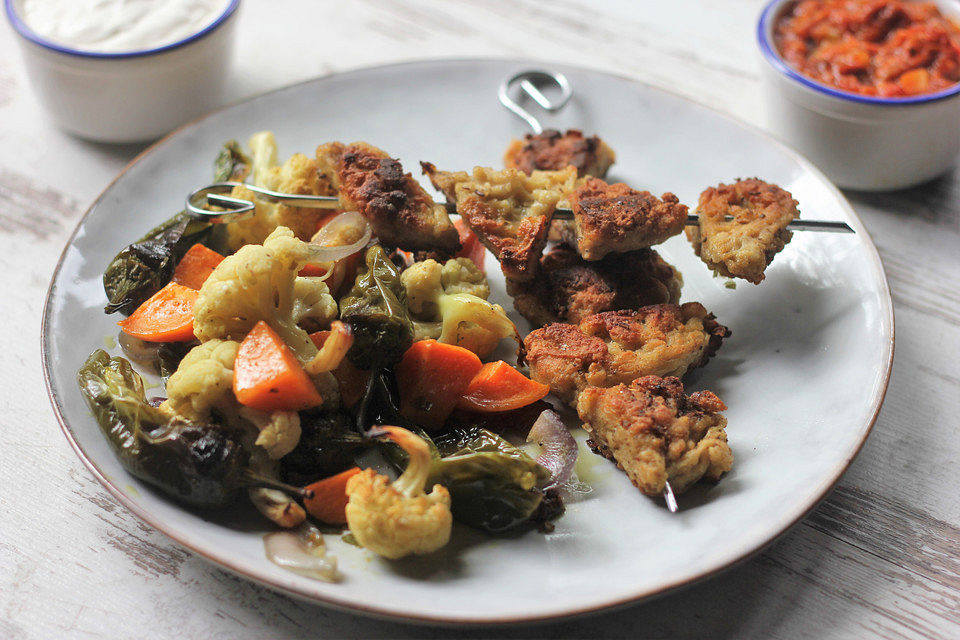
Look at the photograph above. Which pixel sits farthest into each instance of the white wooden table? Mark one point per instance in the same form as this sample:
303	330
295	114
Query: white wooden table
880	557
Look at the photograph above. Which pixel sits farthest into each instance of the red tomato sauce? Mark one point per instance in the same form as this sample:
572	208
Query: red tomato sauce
887	48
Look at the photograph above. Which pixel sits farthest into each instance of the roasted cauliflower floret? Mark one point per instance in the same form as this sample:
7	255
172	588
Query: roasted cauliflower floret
450	303
260	282
204	382
396	519
424	281
298	175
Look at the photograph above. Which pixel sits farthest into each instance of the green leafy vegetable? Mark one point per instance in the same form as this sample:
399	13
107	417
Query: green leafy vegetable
493	485
146	266
199	464
328	444
232	164
375	310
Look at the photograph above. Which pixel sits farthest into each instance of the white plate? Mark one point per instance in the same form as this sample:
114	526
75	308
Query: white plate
803	374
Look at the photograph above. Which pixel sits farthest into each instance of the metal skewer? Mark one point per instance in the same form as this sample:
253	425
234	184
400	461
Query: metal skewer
240	208
669	497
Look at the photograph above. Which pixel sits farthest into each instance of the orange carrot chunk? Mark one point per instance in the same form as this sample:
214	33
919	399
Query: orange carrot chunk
329	501
196	266
431	377
167	316
267	376
500	387
470	244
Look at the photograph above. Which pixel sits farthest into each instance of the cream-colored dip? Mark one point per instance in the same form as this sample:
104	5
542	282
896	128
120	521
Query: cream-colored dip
119	26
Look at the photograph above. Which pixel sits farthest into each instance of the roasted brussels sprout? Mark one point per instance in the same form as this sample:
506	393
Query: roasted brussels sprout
328	444
375	310
199	464
493	485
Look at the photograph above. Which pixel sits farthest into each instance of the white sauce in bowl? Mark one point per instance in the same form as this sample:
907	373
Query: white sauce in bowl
119	26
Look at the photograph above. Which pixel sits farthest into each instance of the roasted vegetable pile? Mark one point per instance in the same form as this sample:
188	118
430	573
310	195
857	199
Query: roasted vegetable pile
292	356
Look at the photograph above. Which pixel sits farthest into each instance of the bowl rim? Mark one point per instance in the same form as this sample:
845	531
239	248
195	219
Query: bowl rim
26	32
771	11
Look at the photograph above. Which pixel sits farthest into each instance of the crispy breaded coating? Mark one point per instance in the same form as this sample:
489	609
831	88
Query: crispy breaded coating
656	434
552	150
617	347
298	175
567	288
401	212
744	246
508	210
613	218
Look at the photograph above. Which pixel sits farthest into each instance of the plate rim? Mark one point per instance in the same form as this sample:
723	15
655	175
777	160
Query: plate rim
353	607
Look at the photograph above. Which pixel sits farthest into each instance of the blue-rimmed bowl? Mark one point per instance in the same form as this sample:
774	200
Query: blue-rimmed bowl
860	142
132	96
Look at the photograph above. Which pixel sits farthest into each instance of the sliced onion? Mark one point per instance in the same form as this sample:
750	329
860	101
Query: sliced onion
334	348
558	448
140	351
302	551
343	236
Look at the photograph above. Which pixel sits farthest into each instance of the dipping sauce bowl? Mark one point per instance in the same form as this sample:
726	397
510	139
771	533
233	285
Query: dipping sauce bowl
860	142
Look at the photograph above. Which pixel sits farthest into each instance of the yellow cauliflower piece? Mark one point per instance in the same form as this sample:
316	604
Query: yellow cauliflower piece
397	519
450	301
260	282
203	381
298	175
279	430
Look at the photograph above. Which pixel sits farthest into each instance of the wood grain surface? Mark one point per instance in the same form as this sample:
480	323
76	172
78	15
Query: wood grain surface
879	558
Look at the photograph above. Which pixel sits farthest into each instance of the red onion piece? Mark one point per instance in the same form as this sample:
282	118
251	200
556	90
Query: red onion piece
558	448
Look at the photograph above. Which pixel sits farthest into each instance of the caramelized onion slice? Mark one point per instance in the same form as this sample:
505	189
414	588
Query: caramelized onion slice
558	448
346	234
301	550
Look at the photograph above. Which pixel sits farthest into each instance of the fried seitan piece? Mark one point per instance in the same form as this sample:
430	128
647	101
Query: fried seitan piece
744	246
656	434
617	347
613	218
508	210
401	212
552	151
567	288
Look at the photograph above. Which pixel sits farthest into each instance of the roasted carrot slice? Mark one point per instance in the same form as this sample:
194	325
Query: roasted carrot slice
167	316
196	266
431	377
500	387
470	244
312	271
268	376
329	501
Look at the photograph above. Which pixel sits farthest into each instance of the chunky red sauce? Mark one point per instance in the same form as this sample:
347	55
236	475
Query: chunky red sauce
889	48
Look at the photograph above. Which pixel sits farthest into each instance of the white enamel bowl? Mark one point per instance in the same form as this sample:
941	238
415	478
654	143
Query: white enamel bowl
128	97
859	142
803	374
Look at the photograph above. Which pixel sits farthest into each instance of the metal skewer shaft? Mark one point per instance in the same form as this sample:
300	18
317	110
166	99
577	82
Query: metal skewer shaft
239	208
670	498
